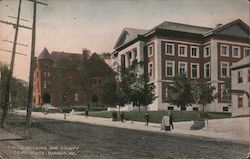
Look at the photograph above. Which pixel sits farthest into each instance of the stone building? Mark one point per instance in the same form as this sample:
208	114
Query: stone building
170	48
57	78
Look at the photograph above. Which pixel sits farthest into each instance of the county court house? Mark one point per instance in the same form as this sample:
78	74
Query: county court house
170	48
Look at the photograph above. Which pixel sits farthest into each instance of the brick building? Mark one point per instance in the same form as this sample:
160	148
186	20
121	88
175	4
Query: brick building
62	86
170	48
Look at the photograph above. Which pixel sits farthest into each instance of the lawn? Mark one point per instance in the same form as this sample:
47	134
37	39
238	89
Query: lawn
156	116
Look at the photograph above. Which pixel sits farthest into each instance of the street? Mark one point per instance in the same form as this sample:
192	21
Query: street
62	139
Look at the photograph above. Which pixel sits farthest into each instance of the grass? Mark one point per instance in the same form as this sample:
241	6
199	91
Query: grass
156	116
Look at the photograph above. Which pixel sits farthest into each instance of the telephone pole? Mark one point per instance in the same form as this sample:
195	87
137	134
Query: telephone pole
32	65
8	84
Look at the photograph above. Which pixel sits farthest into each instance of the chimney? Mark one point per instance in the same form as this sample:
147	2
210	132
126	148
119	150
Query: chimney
85	53
218	25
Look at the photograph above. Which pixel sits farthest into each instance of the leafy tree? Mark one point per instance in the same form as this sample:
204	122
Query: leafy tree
18	90
131	88
179	93
136	86
203	93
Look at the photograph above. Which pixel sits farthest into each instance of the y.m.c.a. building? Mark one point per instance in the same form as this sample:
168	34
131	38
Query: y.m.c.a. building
202	53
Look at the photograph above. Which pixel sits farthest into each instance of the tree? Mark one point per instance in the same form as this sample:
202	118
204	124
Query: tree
179	93
18	91
131	88
136	86
203	93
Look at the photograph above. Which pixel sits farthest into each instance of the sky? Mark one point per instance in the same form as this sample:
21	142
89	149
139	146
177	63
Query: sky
71	25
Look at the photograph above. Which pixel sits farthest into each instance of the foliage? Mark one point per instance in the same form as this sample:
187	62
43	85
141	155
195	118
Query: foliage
19	89
132	87
105	55
179	93
203	93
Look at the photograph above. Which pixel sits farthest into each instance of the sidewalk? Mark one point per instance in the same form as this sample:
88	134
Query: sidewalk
232	129
6	134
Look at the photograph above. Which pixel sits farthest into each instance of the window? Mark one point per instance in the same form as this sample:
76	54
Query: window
182	50
240	79
247	52
224	50
44	74
195	109
225	109
240	101
170	108
207	51
170	68
48	74
224	69
44	84
150	50
207	70
150	69
183	68
195	70
194	51
169	49
236	51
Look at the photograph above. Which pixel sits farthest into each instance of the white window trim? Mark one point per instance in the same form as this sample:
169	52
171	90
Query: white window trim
179	64
245	49
198	70
239	52
227	63
173	62
227	50
197	53
149	69
185	50
150	46
204	51
208	63
173	52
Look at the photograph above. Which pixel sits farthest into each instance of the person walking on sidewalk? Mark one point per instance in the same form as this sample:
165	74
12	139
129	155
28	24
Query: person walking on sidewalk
171	120
86	113
146	117
122	117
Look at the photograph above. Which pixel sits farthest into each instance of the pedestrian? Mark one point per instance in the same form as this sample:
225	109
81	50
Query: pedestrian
86	113
146	117
171	120
122	116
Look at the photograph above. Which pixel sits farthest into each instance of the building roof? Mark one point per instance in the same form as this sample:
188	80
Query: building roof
173	26
236	29
129	34
245	62
44	55
57	55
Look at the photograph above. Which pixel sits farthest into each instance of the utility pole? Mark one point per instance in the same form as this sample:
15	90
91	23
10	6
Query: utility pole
32	65
8	84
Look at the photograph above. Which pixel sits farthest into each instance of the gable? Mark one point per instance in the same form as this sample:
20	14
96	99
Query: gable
236	31
123	38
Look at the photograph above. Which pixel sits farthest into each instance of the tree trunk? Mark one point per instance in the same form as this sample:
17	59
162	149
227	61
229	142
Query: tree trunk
4	116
